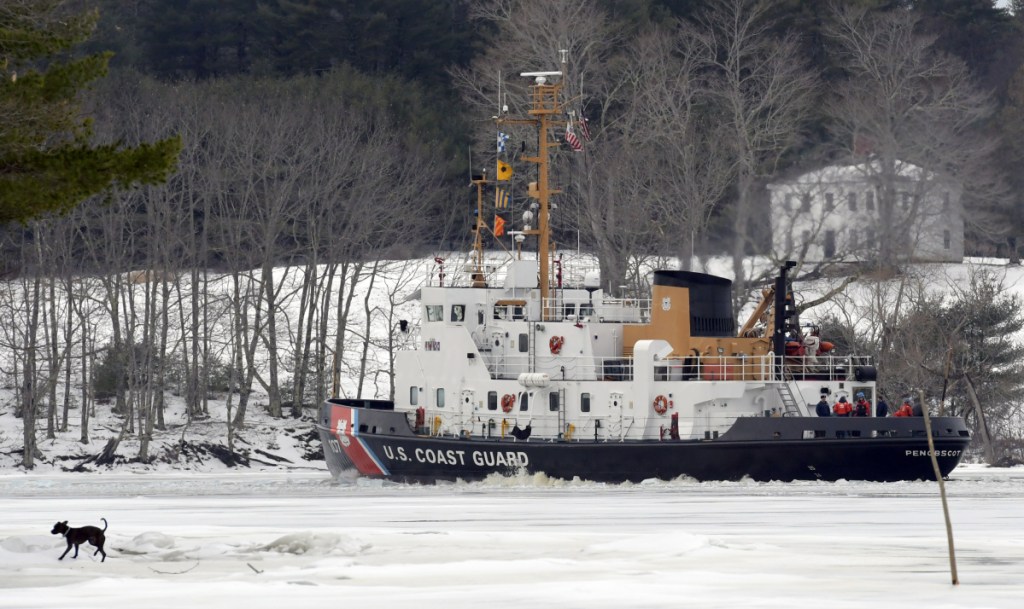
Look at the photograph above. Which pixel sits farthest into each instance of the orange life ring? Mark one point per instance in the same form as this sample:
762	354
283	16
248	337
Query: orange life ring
555	344
661	404
507	402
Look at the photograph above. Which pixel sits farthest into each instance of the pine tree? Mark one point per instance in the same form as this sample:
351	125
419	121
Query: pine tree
48	162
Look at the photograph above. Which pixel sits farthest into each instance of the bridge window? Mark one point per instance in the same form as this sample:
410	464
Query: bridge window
414	396
435	312
458	312
553	402
440	397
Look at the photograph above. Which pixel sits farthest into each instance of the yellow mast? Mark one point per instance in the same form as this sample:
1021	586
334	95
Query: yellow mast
479	280
545	106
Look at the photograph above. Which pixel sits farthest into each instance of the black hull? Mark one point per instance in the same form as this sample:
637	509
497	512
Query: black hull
379	443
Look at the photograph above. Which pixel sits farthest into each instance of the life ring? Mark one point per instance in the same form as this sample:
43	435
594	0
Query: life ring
555	344
507	402
661	404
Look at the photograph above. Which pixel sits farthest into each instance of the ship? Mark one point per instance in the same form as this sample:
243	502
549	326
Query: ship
526	373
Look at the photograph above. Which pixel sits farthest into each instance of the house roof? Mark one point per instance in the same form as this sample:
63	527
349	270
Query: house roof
859	172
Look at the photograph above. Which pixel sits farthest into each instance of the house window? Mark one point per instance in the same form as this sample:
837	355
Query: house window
869	200
414	396
805	202
869	238
851	200
524	402
524	343
435	312
947	239
830	202
440	397
830	243
584	402
458	312
492	400
553	402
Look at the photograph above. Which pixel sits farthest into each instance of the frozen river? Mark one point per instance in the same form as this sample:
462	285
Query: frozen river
292	540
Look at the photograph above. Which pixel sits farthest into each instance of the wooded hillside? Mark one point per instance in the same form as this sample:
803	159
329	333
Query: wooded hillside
331	136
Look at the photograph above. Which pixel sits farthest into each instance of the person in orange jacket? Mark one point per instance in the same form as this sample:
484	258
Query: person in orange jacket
906	410
863	407
842	408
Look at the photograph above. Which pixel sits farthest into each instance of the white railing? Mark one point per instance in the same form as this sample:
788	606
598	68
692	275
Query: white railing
629	310
706	368
561	367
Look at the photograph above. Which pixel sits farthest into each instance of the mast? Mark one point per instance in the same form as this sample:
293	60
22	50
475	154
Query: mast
479	281
545	107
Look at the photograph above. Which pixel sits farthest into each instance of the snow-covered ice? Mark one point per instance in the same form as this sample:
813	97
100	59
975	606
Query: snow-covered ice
272	540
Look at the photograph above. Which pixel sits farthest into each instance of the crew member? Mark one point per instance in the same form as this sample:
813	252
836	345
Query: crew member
881	408
821	408
842	408
862	408
906	410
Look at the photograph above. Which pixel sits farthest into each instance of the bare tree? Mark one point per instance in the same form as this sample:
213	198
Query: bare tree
912	116
30	381
764	89
688	171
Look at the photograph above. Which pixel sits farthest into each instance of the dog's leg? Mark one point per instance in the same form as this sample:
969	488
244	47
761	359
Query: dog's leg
66	552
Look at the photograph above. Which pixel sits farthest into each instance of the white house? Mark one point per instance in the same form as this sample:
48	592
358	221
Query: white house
838	214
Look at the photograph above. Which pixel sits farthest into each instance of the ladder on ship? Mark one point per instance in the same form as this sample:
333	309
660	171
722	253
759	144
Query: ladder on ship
531	349
790	407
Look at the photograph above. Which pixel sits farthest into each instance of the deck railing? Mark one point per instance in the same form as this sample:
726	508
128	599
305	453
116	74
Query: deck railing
711	368
628	310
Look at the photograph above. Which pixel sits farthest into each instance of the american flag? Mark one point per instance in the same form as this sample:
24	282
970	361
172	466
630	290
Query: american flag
572	140
584	127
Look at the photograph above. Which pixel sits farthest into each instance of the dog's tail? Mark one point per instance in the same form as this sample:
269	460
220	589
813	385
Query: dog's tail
104	524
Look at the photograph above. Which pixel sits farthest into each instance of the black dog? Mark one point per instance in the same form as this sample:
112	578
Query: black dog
75	537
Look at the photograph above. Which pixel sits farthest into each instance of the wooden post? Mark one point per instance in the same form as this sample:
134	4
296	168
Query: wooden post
942	488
